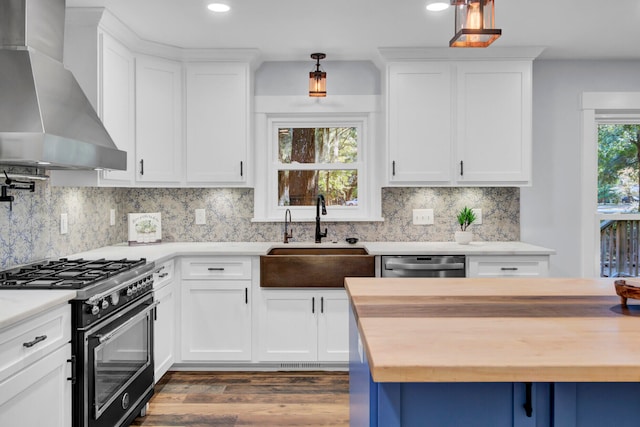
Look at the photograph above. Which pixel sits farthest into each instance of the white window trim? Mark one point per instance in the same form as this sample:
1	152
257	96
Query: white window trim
597	107
357	111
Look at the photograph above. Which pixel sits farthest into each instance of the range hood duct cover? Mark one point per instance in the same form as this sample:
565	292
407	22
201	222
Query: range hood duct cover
46	120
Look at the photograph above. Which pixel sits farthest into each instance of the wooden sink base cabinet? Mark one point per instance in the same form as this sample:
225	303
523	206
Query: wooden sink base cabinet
492	353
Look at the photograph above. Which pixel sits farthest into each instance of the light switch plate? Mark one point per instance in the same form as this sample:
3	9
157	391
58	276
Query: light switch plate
423	217
64	223
201	217
478	213
112	217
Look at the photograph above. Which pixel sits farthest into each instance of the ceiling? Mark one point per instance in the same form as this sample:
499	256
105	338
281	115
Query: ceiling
355	29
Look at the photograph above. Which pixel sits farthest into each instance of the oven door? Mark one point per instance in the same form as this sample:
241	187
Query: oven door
119	375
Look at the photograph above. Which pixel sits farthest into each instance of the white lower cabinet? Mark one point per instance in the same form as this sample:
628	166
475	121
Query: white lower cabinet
40	394
303	326
164	328
35	369
508	266
216	313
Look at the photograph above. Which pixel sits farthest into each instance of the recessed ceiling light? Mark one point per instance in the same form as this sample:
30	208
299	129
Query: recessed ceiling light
218	7
437	6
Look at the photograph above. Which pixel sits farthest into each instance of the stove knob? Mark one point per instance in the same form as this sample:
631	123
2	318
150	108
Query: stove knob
94	309
104	304
129	291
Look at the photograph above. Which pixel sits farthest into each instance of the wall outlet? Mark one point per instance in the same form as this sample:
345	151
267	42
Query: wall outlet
64	223
112	217
201	217
478	213
423	217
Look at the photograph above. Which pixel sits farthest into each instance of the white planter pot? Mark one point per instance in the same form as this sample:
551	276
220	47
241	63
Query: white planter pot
463	237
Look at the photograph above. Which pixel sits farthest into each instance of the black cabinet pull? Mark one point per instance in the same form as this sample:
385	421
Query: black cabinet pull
393	168
35	341
313	304
241	169
321	304
528	404
215	268
246	295
141	166
509	268
72	378
461	167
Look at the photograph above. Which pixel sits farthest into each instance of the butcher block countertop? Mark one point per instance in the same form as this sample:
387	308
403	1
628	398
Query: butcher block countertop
496	330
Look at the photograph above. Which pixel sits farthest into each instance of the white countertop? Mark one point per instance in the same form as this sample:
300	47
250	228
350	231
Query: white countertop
163	251
17	305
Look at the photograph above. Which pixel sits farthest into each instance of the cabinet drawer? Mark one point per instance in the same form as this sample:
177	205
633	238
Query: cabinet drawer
163	274
36	337
216	268
508	266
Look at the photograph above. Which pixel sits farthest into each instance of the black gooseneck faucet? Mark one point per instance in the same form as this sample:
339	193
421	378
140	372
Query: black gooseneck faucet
319	234
288	234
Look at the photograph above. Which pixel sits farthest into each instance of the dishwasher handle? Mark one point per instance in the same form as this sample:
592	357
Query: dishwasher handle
390	265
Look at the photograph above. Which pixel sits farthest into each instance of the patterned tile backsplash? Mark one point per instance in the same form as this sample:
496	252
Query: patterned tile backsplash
31	231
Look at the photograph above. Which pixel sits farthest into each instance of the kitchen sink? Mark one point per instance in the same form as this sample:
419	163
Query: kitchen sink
314	267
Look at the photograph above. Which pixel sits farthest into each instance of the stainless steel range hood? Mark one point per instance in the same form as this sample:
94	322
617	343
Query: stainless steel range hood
46	120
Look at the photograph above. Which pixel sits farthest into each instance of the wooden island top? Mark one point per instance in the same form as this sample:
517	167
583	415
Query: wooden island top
496	330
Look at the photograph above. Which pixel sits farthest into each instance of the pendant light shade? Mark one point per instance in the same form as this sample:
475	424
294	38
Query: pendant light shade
474	23
318	78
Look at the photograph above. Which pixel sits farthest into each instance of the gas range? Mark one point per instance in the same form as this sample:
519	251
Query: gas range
87	277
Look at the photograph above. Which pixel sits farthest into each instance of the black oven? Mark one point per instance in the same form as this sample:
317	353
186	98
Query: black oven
116	377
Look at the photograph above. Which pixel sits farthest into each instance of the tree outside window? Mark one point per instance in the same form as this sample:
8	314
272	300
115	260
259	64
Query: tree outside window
618	167
321	160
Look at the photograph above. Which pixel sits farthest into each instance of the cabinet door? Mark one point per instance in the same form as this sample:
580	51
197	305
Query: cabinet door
117	102
333	327
40	394
419	117
494	122
216	320
288	326
164	330
158	120
217	122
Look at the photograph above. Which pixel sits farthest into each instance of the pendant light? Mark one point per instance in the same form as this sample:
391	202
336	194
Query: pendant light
317	78
474	23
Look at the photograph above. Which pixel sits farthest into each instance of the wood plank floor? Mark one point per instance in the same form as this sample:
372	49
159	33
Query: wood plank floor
191	399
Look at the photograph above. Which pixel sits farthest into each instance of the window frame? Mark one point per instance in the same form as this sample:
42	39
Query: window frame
266	206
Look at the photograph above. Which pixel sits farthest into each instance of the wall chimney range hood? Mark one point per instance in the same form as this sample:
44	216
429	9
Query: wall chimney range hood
46	121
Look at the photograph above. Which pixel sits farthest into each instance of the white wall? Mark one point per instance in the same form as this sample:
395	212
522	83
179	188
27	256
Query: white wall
548	209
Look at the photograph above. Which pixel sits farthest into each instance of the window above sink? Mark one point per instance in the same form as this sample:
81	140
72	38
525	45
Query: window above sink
316	154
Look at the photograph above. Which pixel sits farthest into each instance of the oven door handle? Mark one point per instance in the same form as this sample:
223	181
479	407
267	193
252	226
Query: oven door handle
106	337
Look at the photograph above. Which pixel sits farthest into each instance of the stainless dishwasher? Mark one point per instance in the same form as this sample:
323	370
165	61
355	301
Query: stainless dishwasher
423	266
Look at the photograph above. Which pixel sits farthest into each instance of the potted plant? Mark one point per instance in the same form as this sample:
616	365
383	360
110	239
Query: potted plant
465	219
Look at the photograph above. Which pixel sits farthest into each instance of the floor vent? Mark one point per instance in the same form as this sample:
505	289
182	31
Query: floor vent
300	365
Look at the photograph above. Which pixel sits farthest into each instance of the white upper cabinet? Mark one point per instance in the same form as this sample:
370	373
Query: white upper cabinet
182	116
459	122
420	122
158	120
493	137
117	104
217	99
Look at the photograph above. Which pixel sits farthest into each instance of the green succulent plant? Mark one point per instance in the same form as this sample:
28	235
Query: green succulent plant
465	218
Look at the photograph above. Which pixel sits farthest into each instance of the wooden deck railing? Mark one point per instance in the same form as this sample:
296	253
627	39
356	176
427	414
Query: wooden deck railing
619	255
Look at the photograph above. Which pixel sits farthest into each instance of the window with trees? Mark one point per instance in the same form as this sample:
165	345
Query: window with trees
318	160
306	156
618	167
